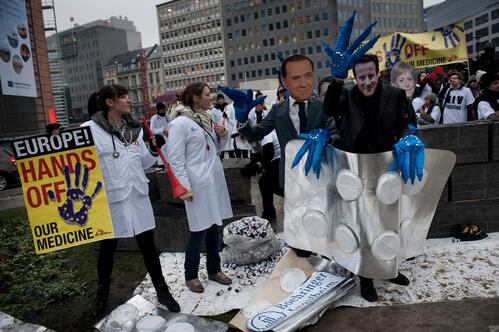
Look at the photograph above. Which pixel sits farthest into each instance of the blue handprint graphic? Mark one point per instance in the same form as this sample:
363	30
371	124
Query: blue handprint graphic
343	58
392	56
66	211
449	35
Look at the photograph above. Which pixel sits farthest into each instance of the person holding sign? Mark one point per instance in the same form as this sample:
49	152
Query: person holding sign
123	157
192	150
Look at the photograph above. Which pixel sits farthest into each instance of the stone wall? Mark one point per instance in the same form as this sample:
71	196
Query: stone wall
172	230
472	191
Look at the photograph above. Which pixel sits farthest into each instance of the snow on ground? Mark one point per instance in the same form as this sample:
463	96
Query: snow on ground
447	271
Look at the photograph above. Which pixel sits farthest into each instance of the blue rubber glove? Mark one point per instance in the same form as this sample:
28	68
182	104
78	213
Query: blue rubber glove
343	58
243	101
315	144
408	153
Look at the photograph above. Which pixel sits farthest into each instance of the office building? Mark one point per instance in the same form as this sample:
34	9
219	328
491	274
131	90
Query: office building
85	50
21	115
126	70
191	42
396	16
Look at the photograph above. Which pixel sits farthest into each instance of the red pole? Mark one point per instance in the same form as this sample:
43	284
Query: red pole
177	188
52	115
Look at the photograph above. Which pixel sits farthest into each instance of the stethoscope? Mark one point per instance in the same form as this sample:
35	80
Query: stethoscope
206	132
126	142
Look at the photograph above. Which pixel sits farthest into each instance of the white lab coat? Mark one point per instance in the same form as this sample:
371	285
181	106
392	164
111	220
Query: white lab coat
158	124
239	142
217	116
125	182
199	170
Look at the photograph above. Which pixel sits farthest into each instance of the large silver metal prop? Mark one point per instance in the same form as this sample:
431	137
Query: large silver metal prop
359	213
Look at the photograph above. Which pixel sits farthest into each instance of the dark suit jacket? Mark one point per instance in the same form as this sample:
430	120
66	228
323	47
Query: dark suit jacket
278	119
394	114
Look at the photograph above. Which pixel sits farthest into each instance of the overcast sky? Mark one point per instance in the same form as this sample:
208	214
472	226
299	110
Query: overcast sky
141	12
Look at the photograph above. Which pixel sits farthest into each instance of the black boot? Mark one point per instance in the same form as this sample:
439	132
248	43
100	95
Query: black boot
367	290
400	280
164	297
101	301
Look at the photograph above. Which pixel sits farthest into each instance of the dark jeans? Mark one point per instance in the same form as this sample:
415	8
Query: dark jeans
269	185
145	241
192	252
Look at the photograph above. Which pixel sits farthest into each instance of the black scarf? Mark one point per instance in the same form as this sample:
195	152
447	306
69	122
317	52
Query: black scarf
130	128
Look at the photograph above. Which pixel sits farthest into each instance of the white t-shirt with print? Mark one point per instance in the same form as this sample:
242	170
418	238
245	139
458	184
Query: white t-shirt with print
485	110
456	102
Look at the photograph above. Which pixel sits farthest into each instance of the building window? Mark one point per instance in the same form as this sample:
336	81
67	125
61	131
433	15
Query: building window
277	10
240	76
318	49
319	64
284	8
255	15
285	24
469	37
267	72
317	18
272	41
482	32
494	14
324	16
495	28
482	19
271	26
245	61
228	22
233	77
326	32
309	34
239	62
317	33
232	64
470	49
242	18
269	12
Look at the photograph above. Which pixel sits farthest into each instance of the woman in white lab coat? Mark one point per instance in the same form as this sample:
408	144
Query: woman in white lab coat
122	157
192	151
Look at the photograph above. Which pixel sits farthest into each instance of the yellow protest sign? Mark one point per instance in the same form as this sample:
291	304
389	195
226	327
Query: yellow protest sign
63	189
434	48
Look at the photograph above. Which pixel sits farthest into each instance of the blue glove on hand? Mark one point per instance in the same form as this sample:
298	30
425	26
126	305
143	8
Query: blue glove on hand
243	102
343	59
315	143
408	153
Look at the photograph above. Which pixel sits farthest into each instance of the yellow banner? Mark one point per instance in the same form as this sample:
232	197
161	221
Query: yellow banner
439	47
63	190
